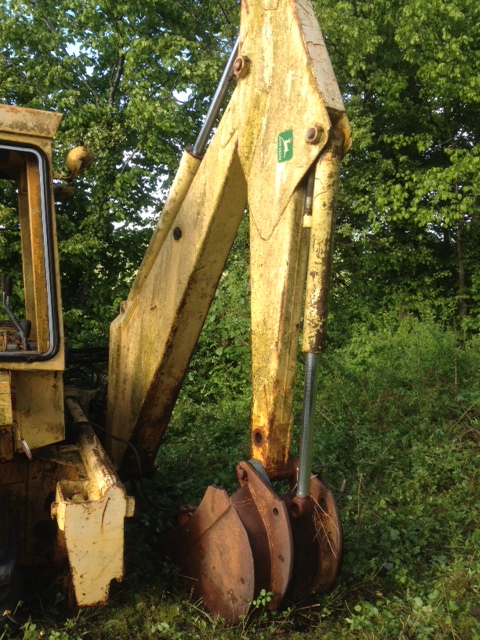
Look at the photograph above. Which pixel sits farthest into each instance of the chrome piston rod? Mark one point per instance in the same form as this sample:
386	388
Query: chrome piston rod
217	100
308	425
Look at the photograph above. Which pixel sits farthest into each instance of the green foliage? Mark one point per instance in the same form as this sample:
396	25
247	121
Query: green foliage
133	84
409	202
399	412
220	365
397	439
32	632
10	246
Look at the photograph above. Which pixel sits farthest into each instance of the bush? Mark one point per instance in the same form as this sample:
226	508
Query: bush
398	409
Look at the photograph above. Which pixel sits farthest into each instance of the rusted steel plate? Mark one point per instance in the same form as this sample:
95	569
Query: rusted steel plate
28	121
329	535
213	551
265	518
230	549
317	542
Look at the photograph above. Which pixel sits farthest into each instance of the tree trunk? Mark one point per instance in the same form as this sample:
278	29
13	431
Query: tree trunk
462	289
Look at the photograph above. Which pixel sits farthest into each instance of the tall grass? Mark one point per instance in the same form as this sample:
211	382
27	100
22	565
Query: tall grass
398	440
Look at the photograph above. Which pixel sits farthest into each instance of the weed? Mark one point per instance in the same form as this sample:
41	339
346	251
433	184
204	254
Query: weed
398	441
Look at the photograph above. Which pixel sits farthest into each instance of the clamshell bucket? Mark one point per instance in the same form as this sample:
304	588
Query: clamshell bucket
230	548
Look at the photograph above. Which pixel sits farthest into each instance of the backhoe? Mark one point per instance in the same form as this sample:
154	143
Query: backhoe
275	151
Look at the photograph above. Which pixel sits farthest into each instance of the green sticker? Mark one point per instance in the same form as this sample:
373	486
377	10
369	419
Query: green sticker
285	146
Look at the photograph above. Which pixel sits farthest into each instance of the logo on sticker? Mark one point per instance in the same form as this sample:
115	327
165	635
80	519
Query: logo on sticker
285	146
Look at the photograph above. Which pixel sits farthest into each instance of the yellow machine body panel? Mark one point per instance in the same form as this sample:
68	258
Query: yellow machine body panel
35	463
34	379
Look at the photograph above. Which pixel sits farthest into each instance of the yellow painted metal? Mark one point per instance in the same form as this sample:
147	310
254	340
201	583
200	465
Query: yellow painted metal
321	245
152	339
21	122
38	413
90	514
7	432
35	128
31	403
6	415
286	89
279	119
277	281
187	170
290	97
35	276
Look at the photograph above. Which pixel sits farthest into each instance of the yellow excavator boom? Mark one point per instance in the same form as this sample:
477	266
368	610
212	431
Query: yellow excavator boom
281	116
275	153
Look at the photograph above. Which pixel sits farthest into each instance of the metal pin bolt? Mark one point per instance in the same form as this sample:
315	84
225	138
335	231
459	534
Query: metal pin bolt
242	475
314	134
241	66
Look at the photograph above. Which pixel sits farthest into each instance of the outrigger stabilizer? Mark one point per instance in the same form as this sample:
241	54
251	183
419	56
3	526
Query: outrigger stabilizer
276	149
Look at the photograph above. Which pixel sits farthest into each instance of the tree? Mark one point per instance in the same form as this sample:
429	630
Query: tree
133	82
409	208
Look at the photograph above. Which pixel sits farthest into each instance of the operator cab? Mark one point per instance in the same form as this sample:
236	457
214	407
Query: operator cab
28	314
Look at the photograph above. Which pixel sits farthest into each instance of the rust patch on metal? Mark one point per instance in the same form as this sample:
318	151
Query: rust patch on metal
29	121
213	551
266	521
6	443
317	541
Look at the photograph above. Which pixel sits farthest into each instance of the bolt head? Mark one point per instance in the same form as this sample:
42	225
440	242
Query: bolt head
242	475
314	134
241	66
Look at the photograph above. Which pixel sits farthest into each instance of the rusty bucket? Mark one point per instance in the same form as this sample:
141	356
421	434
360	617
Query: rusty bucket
230	548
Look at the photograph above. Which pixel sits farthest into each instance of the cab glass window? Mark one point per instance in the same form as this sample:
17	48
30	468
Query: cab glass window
28	327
